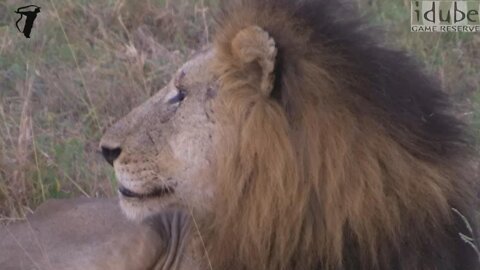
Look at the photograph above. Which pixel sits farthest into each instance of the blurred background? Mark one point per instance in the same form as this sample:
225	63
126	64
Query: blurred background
89	62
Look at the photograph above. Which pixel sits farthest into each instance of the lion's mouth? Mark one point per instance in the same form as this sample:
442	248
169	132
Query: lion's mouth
158	192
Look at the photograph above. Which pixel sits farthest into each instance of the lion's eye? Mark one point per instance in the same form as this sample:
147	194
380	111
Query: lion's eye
179	97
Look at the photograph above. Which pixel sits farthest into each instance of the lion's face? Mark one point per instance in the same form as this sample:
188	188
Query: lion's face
161	151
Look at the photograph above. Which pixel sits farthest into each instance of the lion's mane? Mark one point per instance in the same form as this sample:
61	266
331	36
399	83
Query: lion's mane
352	162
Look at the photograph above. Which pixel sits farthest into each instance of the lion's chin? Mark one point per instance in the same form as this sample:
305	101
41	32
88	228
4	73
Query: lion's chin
140	209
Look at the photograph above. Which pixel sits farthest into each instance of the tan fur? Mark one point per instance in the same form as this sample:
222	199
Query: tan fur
288	192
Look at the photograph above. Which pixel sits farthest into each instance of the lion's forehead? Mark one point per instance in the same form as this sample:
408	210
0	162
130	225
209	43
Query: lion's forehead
198	68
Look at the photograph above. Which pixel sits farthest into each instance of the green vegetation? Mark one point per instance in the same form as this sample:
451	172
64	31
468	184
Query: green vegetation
90	62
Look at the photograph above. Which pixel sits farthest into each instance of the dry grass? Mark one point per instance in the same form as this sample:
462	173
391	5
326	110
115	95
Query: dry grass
90	62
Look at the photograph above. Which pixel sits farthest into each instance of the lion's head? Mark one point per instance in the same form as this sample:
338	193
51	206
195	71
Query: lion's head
162	150
298	142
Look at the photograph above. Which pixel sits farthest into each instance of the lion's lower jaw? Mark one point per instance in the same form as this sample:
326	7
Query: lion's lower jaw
139	210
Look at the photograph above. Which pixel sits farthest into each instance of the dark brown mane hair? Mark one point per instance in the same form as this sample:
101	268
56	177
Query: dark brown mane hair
352	162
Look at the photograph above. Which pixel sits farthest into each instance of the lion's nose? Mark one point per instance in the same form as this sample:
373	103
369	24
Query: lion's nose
111	153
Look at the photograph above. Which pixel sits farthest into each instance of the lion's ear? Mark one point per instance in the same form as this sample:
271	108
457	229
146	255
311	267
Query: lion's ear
254	45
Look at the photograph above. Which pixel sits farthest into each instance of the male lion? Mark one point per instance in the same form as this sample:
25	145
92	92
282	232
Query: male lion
296	141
